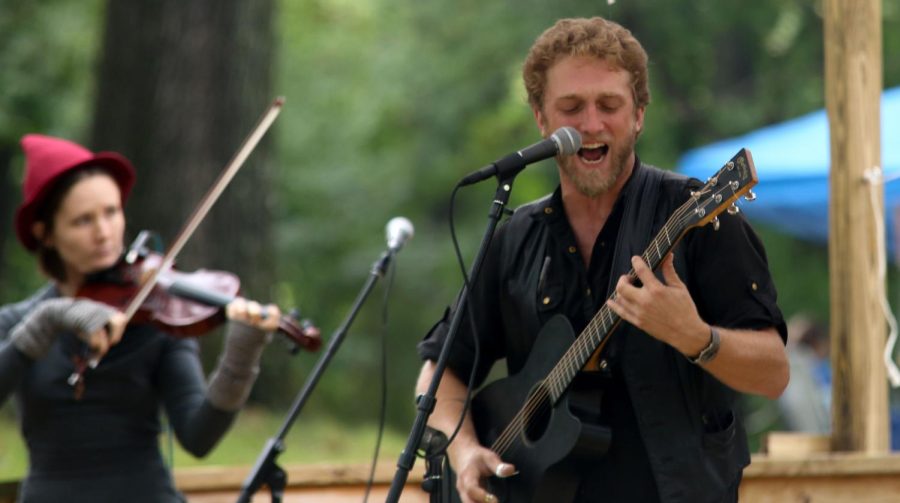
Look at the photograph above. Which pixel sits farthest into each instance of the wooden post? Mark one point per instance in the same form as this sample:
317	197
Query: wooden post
853	85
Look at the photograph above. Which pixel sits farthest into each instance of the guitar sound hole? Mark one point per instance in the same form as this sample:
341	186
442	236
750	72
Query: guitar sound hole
539	420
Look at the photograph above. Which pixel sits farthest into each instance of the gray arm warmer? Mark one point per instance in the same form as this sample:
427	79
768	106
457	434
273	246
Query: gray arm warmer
39	329
233	377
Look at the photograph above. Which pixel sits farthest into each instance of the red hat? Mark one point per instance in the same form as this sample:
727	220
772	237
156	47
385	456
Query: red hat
46	160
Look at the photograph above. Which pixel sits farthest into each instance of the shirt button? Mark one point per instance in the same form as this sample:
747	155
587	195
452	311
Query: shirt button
588	292
548	210
754	286
572	249
546	300
602	244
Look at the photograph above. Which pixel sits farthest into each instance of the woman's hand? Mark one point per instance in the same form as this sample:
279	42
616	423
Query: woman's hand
100	340
99	326
264	317
238	367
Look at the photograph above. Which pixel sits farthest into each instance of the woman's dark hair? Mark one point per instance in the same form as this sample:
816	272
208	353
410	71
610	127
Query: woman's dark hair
48	258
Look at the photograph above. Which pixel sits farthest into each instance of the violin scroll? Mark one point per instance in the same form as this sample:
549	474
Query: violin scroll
301	332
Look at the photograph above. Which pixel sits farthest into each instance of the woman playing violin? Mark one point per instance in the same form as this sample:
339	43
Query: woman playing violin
103	445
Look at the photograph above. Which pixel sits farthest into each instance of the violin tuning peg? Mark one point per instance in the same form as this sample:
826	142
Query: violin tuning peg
716	224
137	247
751	196
301	332
733	210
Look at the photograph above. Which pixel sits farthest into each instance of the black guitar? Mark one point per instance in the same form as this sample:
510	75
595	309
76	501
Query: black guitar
526	418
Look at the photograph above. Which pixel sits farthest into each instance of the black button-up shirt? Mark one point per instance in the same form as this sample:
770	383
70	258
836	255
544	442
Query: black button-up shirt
533	271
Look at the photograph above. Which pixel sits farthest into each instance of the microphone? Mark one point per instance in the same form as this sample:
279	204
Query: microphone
563	141
398	231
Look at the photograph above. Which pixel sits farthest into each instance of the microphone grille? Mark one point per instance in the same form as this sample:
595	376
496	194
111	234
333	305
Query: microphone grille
397	231
568	139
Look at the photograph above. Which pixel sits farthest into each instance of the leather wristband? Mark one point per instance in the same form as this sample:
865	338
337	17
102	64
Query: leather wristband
711	349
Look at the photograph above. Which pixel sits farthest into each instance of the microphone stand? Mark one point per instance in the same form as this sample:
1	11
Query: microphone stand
426	401
266	470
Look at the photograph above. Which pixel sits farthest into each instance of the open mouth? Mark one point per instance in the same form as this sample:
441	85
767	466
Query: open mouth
593	153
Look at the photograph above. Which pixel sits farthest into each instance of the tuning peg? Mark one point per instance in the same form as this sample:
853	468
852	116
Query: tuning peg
715	223
751	196
733	210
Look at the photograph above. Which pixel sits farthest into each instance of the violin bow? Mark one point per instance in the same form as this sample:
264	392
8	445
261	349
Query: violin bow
206	204
76	378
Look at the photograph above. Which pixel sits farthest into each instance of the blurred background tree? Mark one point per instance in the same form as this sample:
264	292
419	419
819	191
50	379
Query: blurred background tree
389	102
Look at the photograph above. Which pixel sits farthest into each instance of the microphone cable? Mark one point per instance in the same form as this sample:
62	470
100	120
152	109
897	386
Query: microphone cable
382	416
471	318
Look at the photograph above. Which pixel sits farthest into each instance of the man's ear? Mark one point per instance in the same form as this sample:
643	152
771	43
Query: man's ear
38	230
539	119
639	120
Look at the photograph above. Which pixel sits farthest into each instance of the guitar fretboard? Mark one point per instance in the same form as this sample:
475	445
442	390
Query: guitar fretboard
605	321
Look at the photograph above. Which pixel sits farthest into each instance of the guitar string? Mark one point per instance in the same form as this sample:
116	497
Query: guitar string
605	320
581	345
568	365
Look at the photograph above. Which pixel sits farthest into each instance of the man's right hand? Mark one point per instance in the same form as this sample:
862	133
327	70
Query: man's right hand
473	464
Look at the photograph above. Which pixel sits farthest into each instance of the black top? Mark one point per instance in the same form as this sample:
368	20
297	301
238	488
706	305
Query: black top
104	447
519	290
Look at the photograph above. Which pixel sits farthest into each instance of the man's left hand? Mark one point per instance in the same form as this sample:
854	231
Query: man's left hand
663	309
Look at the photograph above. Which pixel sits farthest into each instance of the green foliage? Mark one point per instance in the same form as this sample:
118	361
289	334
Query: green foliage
801	274
47	56
389	102
45	86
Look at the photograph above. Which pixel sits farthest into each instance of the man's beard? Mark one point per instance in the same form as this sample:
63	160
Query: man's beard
593	183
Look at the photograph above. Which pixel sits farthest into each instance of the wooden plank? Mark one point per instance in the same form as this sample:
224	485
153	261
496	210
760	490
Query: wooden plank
346	494
792	444
822	478
821	490
853	84
322	483
827	465
326	482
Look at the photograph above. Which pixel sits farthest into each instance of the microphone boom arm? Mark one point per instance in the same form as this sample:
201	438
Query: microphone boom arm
266	469
425	402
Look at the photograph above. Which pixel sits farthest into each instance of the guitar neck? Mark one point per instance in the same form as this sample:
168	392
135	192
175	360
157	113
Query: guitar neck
601	326
721	191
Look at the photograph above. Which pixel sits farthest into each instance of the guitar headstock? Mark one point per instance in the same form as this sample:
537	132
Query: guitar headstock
722	190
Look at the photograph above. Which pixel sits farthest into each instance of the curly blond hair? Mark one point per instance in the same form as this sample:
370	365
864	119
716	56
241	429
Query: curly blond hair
596	37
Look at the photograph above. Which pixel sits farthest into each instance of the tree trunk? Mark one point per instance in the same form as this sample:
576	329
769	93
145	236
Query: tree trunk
7	204
180	86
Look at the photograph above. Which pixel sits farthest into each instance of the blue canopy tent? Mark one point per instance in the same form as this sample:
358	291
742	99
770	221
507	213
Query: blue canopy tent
792	161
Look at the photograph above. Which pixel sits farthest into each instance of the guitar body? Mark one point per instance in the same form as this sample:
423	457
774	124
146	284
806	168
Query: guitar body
545	452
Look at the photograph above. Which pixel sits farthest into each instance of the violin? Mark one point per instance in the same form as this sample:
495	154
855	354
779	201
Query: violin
183	304
180	303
